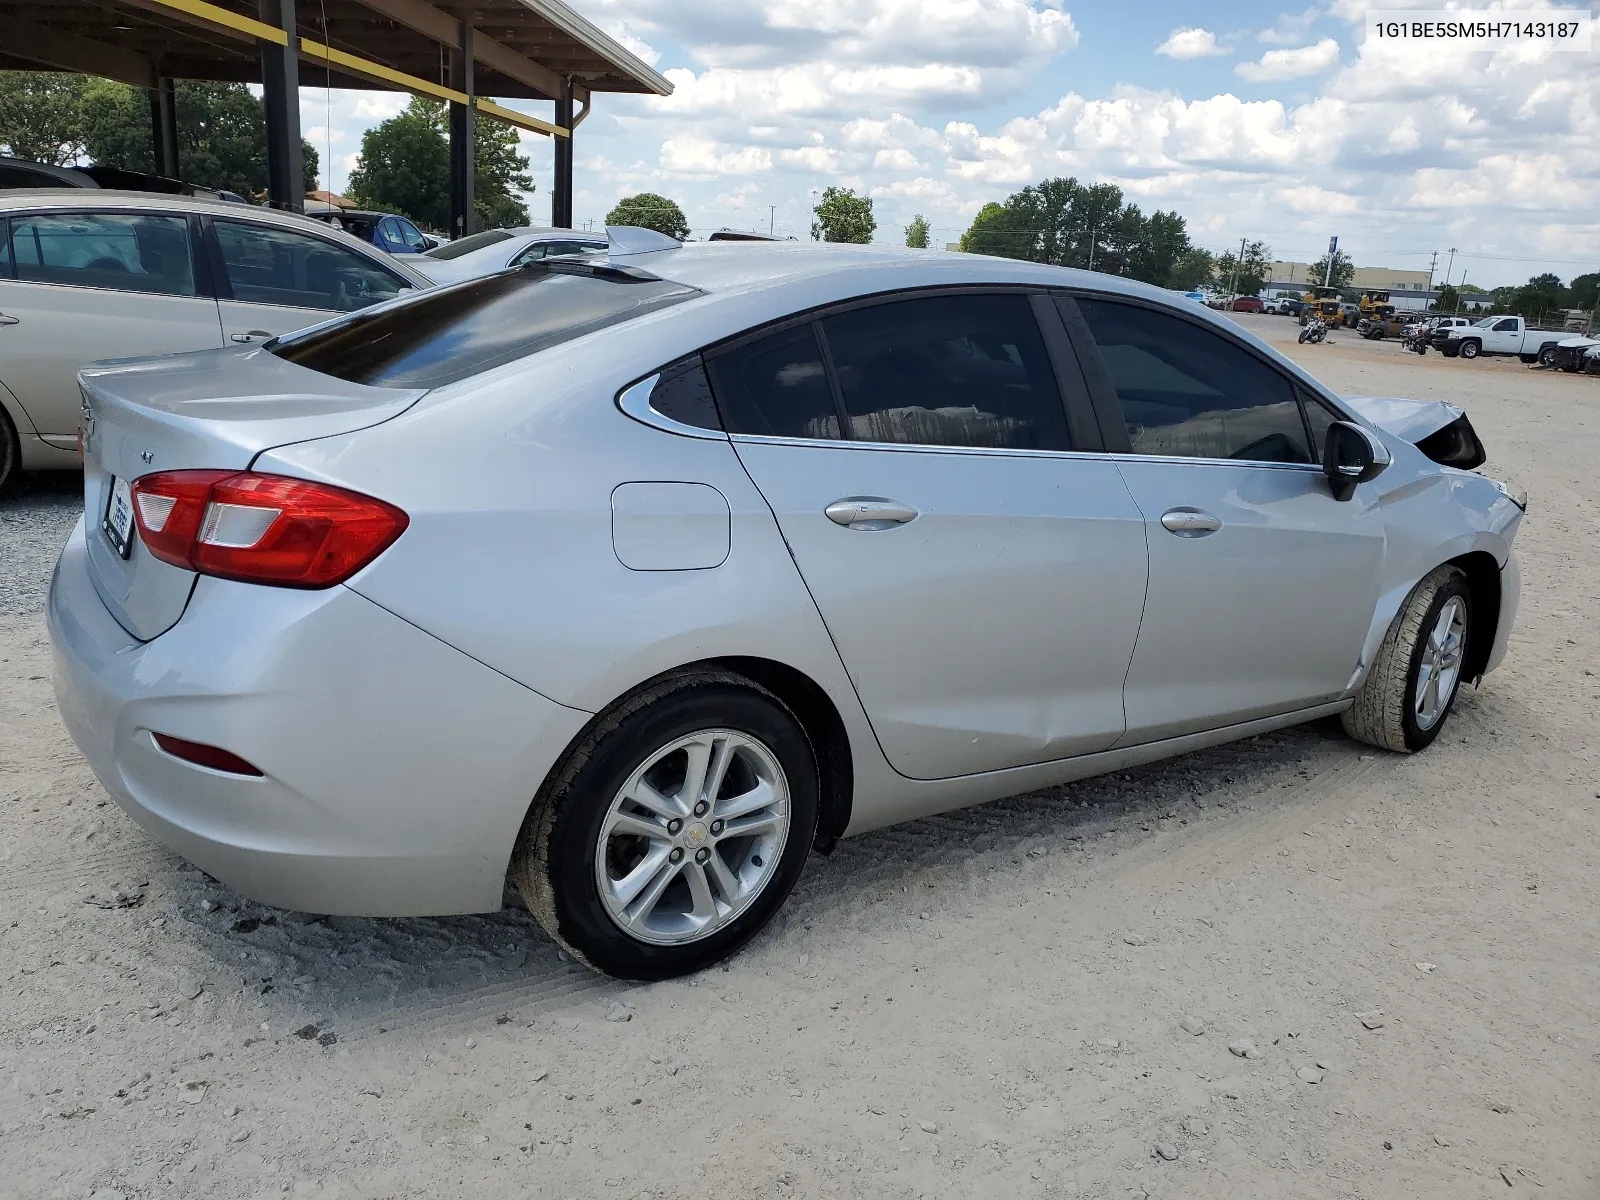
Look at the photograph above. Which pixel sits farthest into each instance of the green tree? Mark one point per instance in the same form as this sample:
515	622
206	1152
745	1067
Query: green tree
222	134
1066	223
39	116
222	128
650	211
1344	270
917	233
843	216
1193	269
990	234
1585	291
1449	300
1245	273
404	167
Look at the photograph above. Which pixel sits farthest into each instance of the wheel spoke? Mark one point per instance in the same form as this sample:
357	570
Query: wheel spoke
727	882
630	885
645	795
630	825
705	904
639	911
721	759
751	826
694	778
1433	695
759	797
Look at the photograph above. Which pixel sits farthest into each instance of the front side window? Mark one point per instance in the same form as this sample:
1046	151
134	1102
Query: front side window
1506	326
775	386
1189	392
958	370
406	234
268	265
449	334
125	252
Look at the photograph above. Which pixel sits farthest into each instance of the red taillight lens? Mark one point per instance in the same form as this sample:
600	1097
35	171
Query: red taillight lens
262	528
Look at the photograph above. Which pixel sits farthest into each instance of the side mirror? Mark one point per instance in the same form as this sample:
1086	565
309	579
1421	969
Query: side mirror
1351	456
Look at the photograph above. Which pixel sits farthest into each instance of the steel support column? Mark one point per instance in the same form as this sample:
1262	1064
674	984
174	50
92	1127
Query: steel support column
561	193
164	126
280	78
463	212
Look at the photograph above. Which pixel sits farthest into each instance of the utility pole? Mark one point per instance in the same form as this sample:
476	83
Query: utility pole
1458	294
1449	265
1093	230
1233	283
1432	262
772	218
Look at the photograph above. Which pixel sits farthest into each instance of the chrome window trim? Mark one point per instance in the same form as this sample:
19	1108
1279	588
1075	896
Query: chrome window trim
634	401
996	451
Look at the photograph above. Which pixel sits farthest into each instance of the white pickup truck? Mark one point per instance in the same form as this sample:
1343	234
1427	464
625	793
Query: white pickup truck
1498	335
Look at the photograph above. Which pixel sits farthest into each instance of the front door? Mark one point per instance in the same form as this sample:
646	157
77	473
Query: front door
982	583
1262	585
89	285
278	280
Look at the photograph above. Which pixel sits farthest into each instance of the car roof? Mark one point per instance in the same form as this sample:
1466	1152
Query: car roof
736	266
71	178
27	199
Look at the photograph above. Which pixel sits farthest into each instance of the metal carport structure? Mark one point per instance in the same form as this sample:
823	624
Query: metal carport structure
511	49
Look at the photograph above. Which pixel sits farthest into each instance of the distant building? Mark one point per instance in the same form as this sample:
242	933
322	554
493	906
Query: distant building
1286	277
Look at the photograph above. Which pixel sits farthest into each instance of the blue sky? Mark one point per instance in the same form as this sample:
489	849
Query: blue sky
1284	124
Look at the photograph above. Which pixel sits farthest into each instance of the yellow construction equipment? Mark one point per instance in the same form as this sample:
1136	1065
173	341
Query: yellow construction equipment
1322	302
1373	300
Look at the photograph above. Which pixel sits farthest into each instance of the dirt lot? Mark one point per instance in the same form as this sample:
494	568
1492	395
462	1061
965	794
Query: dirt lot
987	1003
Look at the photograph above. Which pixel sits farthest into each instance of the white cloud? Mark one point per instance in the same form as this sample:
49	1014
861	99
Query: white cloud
1276	65
1291	27
1191	43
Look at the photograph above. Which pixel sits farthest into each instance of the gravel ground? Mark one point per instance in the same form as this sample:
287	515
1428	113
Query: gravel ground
1046	997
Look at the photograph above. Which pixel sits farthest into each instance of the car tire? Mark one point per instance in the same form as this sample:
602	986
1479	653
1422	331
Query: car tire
1469	349
10	453
578	849
1423	649
1546	356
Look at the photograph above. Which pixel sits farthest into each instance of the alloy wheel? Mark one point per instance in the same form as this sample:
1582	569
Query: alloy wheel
693	837
1439	669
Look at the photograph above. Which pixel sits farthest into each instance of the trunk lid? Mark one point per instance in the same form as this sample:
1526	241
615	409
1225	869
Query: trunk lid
213	408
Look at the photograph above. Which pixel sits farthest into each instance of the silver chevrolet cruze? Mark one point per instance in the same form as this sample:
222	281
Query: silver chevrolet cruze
639	577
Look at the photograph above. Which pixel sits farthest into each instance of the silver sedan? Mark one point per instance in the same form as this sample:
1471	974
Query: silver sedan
637	578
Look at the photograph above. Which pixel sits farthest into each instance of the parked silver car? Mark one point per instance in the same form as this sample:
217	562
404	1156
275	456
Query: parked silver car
95	274
640	577
496	249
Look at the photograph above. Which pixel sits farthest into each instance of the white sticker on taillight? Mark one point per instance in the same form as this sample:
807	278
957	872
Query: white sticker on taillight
237	526
154	510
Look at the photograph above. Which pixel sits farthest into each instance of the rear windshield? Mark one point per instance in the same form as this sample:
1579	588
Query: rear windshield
466	245
443	336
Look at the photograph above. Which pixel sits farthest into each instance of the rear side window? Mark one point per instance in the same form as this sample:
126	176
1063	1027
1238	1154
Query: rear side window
449	334
268	265
124	252
1189	392
962	370
776	386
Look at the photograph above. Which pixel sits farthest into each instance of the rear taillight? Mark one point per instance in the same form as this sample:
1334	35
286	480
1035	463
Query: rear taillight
262	528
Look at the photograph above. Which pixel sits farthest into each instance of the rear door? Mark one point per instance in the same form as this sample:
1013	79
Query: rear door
1262	585
82	285
979	567
274	280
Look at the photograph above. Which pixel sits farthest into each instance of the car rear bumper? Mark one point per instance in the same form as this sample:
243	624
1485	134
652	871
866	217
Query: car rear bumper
397	770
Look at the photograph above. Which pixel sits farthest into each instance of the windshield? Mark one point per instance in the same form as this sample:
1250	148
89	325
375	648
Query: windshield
451	333
466	245
1485	322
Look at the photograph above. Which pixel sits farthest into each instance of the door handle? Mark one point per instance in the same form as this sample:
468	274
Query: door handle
8	320
1190	522
869	512
251	336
